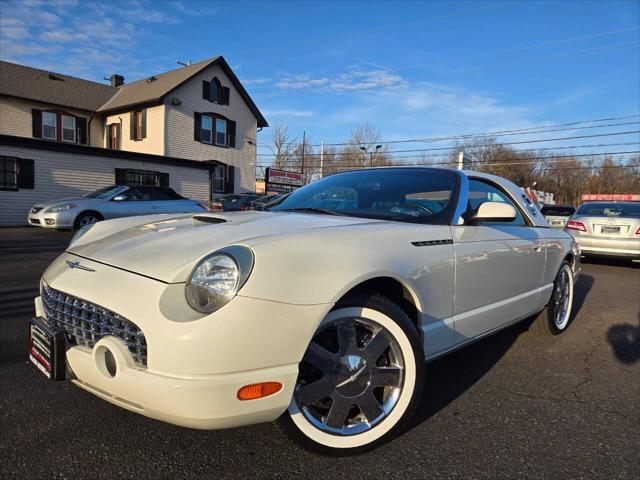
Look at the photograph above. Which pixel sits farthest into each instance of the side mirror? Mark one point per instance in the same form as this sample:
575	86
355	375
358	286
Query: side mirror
493	212
119	198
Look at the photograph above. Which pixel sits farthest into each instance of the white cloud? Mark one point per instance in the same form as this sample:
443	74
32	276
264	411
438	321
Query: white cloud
190	8
353	80
288	113
256	81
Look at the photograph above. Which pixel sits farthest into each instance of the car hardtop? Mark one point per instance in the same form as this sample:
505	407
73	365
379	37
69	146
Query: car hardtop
154	193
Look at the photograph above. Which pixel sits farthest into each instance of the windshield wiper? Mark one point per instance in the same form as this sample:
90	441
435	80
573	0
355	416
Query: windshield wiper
311	210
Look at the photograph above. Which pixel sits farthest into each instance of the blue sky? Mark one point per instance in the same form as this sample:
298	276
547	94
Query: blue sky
410	69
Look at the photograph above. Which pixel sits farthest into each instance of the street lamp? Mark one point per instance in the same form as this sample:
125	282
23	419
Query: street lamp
371	154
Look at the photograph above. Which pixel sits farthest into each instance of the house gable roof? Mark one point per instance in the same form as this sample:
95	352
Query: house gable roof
157	87
55	88
40	85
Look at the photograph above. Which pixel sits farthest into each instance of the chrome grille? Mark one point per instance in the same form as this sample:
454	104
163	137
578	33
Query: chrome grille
85	323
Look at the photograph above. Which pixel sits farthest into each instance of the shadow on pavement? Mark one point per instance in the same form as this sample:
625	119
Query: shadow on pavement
625	341
611	261
451	376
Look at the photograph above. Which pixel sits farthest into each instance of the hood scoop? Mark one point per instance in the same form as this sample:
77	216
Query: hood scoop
208	218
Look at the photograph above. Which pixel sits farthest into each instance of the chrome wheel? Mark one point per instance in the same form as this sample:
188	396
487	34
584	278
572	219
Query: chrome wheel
351	376
87	220
562	298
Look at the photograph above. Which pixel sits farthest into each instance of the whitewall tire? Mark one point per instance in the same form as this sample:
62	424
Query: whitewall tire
360	379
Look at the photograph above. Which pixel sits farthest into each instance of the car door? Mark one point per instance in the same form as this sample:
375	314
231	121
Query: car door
134	201
499	266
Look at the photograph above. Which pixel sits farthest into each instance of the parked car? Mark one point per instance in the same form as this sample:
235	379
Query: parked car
319	318
557	215
262	202
235	202
609	229
113	201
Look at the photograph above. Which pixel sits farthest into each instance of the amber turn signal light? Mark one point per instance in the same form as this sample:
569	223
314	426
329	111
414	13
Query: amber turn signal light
259	390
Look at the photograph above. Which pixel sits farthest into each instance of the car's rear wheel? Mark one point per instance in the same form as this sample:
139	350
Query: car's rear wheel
360	378
86	218
555	317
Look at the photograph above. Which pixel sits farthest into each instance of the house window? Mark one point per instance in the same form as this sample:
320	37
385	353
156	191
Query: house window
68	129
132	177
113	137
217	179
207	129
49	125
8	173
138	125
221	132
142	177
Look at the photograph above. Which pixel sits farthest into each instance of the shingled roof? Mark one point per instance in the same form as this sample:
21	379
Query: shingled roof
55	88
40	85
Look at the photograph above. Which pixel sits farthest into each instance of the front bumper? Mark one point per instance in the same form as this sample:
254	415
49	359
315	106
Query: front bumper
195	367
62	220
612	247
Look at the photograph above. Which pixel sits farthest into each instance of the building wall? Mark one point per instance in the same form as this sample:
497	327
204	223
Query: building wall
15	119
179	132
154	141
60	174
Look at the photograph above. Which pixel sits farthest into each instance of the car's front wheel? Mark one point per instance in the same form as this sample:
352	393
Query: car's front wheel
360	379
86	218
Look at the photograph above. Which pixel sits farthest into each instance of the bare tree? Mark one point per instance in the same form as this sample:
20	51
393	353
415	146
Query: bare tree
283	146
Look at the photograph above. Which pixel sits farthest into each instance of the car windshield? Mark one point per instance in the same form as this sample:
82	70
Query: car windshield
416	195
105	192
610	210
558	211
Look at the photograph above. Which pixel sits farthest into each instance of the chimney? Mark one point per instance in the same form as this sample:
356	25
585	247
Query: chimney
117	80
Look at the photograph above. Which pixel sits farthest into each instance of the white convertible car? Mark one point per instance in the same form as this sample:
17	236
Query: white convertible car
319	312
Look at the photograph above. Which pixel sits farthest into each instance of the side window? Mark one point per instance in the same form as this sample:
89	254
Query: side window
480	192
137	195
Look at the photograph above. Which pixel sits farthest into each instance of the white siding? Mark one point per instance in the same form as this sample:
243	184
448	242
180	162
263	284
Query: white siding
15	119
180	128
153	143
59	175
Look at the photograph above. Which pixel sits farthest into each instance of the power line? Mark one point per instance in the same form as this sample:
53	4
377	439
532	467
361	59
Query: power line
521	131
503	161
414	150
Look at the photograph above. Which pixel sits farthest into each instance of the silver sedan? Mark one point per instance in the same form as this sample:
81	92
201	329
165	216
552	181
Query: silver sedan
607	229
113	201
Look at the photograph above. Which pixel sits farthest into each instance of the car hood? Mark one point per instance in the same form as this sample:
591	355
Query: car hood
167	247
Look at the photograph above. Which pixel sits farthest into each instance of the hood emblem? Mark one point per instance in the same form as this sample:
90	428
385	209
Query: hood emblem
78	266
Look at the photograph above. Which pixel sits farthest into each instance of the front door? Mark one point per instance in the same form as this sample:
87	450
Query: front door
499	267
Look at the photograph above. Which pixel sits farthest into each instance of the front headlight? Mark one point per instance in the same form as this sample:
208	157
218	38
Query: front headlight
60	208
216	278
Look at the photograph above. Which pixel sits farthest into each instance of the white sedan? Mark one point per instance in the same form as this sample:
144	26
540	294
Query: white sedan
319	312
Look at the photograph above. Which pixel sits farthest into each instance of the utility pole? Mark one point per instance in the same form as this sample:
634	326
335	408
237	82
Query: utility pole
321	156
304	141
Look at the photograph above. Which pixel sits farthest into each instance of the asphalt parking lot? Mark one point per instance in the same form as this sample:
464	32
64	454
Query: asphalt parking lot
512	406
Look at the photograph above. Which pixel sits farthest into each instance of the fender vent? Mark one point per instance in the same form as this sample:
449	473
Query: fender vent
429	243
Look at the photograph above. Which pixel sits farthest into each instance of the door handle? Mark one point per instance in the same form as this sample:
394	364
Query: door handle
537	248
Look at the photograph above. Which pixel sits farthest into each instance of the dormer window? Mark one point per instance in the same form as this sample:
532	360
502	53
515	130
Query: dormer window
59	126
68	129
49	126
215	92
